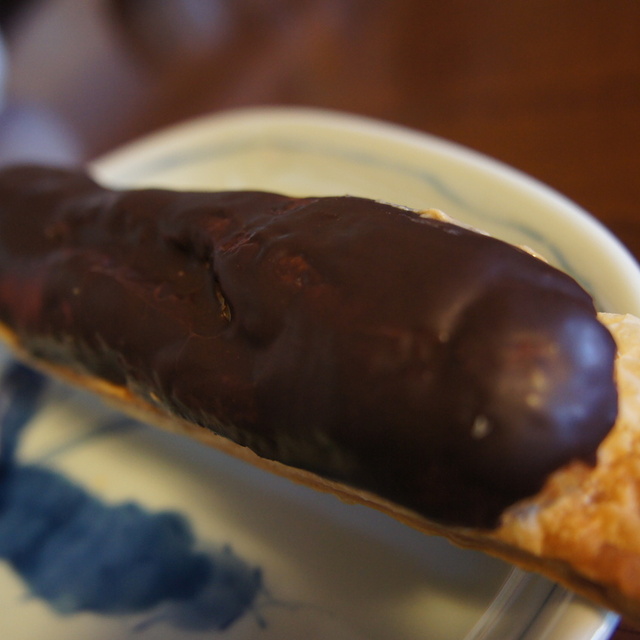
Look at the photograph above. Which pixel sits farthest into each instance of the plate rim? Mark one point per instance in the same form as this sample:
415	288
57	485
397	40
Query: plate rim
270	121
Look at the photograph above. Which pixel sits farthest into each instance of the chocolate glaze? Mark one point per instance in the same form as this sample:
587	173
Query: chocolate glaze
438	367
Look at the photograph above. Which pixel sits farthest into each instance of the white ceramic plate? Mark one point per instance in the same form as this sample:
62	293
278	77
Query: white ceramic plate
264	558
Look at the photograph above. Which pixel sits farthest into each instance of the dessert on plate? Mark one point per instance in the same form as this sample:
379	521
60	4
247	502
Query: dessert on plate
393	357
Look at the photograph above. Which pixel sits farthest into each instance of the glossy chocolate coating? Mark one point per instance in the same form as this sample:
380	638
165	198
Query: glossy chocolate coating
438	367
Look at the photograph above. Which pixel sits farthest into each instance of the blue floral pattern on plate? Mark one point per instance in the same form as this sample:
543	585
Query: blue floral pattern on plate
79	553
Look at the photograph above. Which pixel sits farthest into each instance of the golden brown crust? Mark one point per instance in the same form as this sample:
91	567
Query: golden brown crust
586	520
582	529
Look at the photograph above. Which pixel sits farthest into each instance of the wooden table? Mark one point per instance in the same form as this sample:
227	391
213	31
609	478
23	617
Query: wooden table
549	86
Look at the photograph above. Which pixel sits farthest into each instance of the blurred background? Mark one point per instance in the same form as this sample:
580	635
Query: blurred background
549	86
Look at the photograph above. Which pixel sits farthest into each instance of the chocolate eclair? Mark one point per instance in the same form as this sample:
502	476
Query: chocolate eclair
390	356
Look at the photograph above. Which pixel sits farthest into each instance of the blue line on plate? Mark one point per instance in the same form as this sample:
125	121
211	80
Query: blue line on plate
213	151
80	554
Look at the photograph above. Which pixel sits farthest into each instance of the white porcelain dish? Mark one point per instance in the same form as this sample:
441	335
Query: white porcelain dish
325	569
